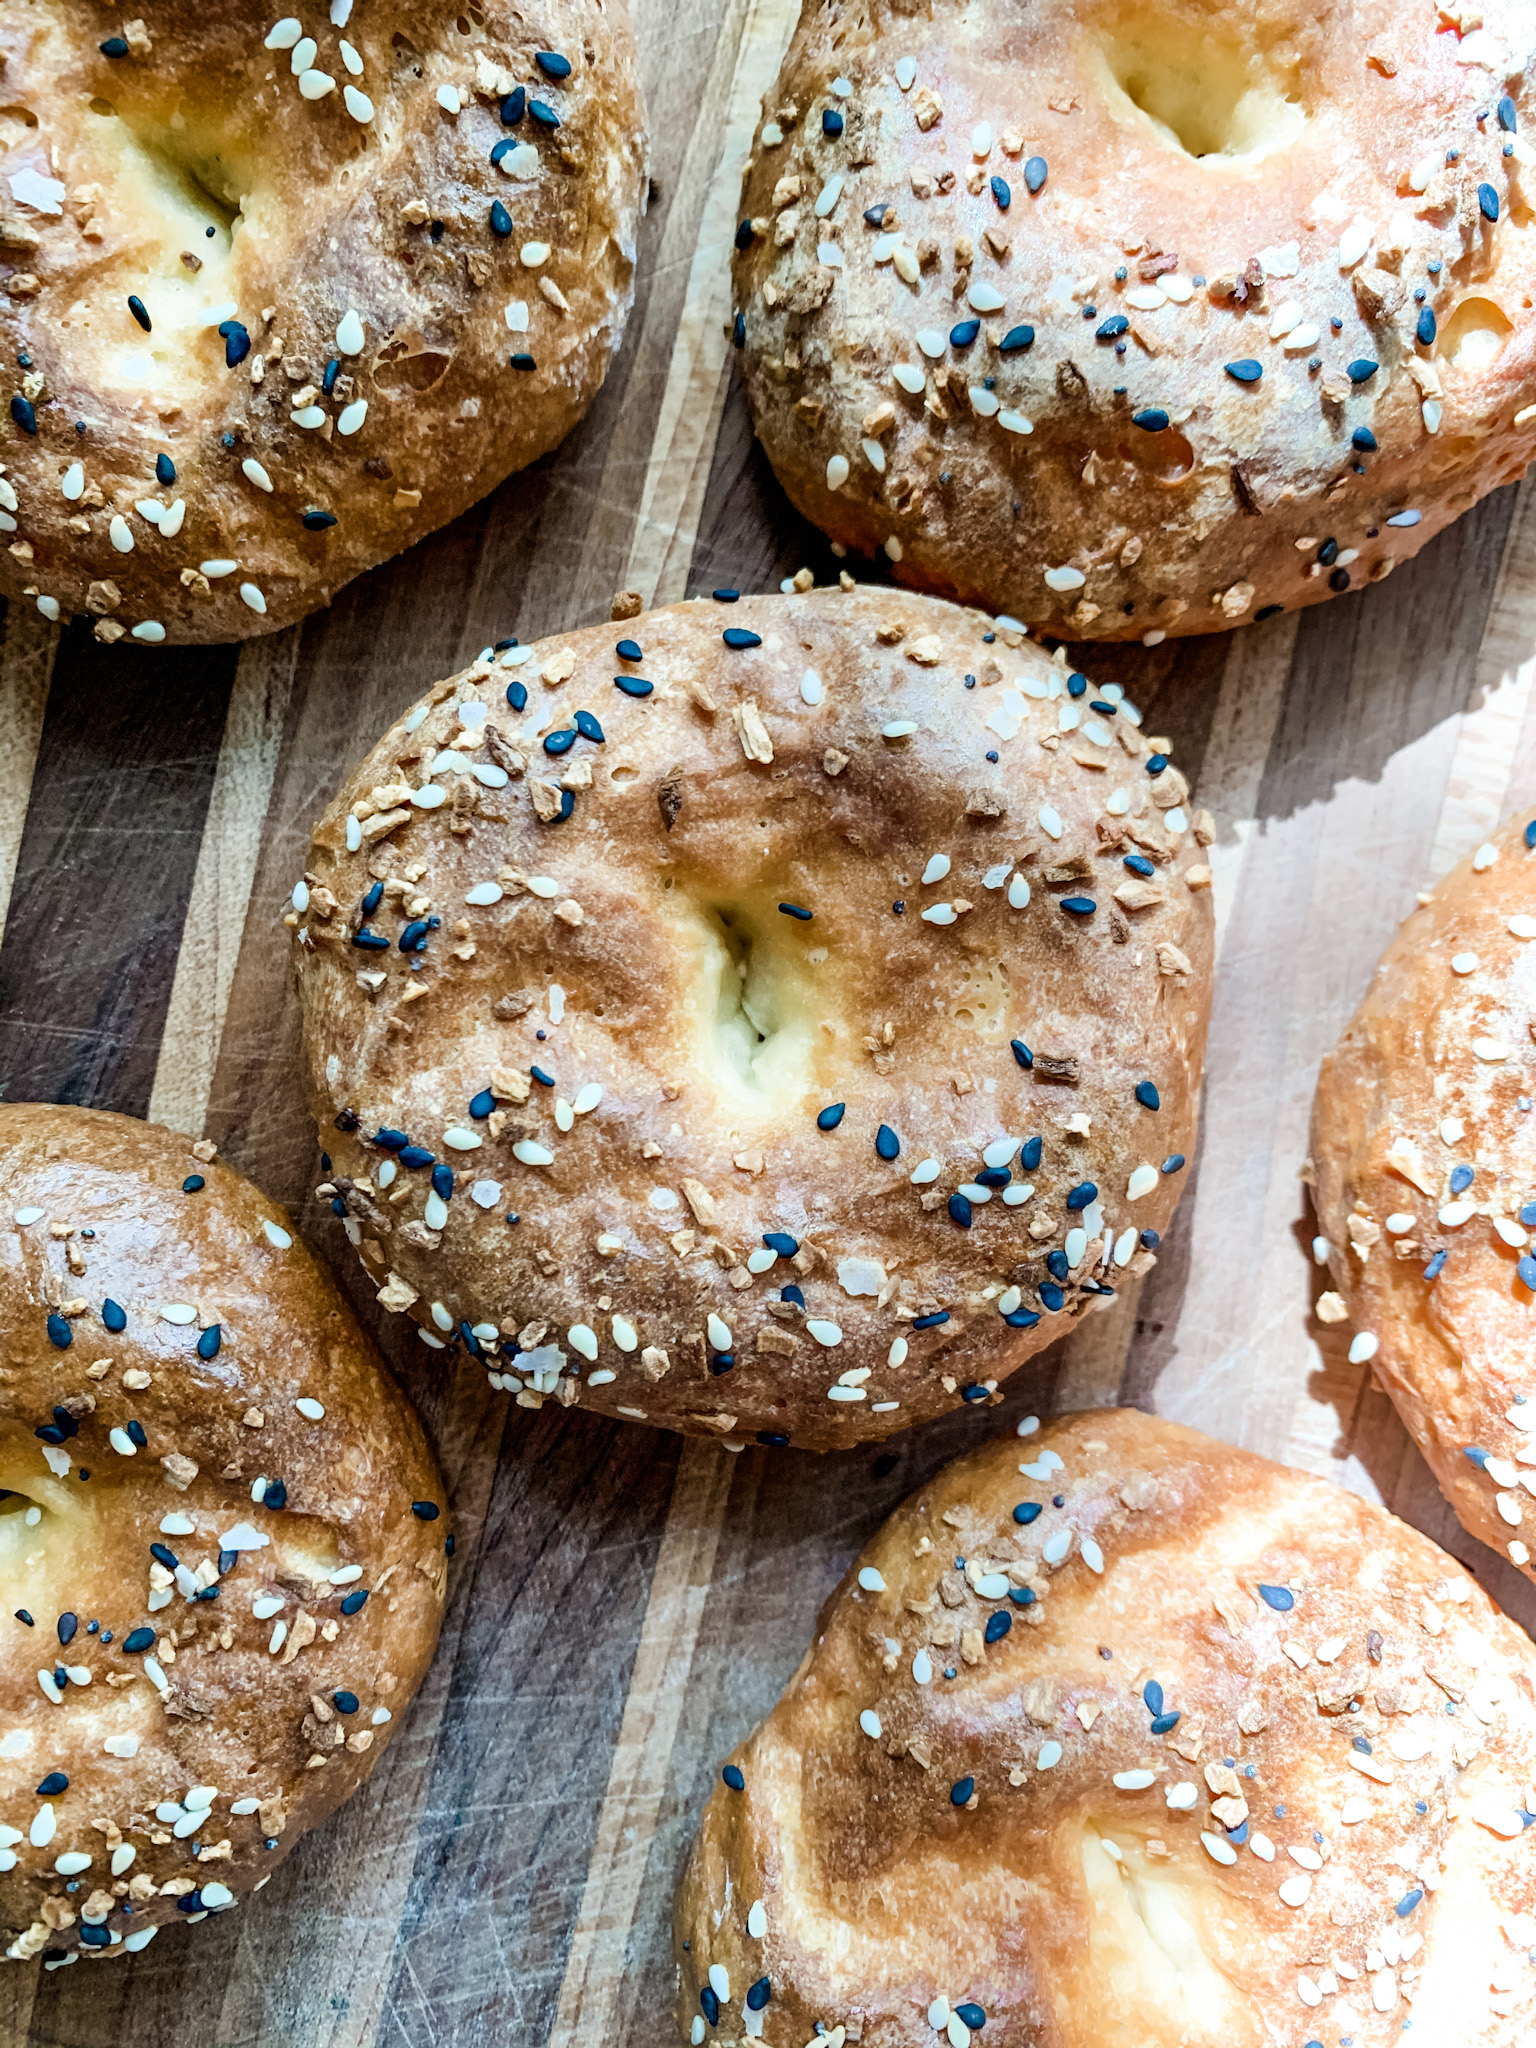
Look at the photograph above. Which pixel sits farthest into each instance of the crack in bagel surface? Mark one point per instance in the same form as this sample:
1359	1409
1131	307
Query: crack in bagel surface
783	1038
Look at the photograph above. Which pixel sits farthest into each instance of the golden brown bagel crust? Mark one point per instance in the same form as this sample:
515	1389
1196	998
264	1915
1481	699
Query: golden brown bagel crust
1359	1764
710	811
370	204
239	1704
1436	1071
1187	255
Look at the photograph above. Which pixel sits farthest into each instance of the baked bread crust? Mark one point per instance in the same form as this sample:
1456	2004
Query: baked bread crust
1433	1077
1359	1763
706	949
370	377
153	1436
1204	176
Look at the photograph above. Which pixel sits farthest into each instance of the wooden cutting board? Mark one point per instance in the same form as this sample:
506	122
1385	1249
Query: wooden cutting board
624	1606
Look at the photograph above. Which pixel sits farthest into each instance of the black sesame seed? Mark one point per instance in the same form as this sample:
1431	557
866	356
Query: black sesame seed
1022	1053
744	235
114	47
23	414
831	121
632	686
1361	370
67	1625
1107	330
514	106
1174	1163
501	220
59	1332
544	113
1001	193
1035	173
738	636
963	333
887	1144
1426	329
1147	1095
796	910
316	521
961	1791
1151	419
1026	1512
56	1781
1015	339
354	1601
1364	440
829	1118
732	1777
1488	202
140	312
1281	1598
960	1210
1246	370
552	64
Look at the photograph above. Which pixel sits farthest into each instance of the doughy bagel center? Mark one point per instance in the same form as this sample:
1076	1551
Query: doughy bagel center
1145	1953
48	1536
178	210
1203	94
753	1004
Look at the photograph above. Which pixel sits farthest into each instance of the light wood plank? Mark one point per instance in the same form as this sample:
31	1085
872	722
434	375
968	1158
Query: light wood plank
589	2008
689	418
28	645
221	887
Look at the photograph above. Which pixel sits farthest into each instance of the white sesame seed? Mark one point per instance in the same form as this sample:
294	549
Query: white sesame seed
870	1579
447	97
252	596
869	1721
351	417
1364	1347
1141	1182
309	1408
1134	1781
837	472
1049	1756
357	104
1050	821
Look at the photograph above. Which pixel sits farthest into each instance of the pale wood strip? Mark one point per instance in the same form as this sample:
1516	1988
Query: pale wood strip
1338	1425
28	645
1479	787
689	419
1093	1363
221	887
1343	801
589	2007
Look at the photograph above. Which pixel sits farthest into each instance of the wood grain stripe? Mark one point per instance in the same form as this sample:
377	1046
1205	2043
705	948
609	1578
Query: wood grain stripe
27	648
221	887
684	442
589	2007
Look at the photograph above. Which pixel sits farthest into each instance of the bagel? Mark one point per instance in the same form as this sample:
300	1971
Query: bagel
221	1537
1424	1183
1248	1764
283	296
1146	319
780	1039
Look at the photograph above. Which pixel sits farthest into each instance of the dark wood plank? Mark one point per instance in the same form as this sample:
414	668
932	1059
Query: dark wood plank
129	747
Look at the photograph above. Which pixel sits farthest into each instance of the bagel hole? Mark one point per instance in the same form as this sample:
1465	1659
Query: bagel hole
181	200
1144	1941
1203	93
755	1007
1474	335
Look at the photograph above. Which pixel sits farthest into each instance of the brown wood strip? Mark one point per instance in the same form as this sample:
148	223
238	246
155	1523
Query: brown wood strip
121	785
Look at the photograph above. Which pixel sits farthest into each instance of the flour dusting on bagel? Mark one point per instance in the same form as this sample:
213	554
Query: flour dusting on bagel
1149	318
774	1018
279	296
222	1537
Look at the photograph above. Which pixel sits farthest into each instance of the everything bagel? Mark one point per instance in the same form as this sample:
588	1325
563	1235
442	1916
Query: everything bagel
1147	318
221	1537
281	296
771	1019
1119	1735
